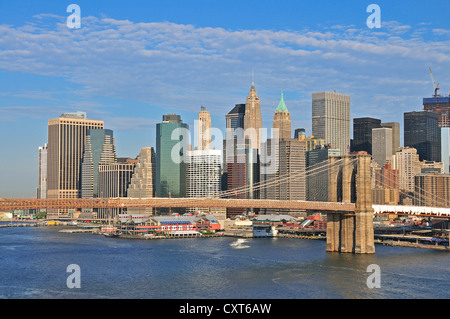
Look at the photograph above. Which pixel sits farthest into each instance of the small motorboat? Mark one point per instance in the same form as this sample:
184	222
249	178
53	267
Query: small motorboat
111	235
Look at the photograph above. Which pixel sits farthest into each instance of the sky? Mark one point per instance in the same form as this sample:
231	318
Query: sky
132	61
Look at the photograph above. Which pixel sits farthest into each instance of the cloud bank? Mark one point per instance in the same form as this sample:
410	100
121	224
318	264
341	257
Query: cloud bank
181	67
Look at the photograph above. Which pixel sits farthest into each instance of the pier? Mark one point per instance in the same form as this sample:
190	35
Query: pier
21	225
78	230
133	236
412	241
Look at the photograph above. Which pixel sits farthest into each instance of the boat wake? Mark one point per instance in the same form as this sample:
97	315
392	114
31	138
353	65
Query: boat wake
239	244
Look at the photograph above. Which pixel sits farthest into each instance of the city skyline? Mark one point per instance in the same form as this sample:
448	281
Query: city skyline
39	88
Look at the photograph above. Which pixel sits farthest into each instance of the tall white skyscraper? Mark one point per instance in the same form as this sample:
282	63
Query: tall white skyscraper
203	173
331	119
445	148
381	145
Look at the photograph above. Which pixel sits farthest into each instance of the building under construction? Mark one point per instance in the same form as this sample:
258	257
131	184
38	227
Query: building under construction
438	104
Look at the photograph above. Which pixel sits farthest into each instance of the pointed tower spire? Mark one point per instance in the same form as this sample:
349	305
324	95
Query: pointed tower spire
282	120
281	106
252	117
252	89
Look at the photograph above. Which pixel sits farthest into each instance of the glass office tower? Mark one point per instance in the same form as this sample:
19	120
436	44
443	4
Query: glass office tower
362	133
99	148
423	133
172	141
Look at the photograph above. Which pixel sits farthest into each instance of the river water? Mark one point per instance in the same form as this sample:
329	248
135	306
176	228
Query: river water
34	262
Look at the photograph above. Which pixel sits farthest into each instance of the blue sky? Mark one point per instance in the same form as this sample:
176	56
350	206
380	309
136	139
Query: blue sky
133	61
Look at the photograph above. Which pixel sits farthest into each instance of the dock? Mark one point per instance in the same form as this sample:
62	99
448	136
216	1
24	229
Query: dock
412	241
134	236
238	233
78	230
302	236
21	225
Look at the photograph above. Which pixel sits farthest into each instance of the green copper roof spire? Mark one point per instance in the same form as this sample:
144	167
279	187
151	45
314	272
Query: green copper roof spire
281	106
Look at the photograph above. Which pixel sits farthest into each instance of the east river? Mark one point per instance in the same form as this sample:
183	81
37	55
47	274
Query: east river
34	264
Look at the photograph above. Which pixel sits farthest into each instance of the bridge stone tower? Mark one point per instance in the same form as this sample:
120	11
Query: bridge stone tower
351	183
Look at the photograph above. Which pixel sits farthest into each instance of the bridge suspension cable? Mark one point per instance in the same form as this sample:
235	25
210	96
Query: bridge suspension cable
276	180
316	169
418	192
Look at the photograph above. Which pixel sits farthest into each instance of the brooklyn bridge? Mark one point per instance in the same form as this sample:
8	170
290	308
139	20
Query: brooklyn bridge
349	208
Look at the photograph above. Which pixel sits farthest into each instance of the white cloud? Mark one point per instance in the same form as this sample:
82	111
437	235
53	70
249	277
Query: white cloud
183	66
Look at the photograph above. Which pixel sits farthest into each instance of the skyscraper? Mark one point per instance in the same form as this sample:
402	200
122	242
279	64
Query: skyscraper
331	119
235	118
66	140
99	148
204	129
253	119
362	133
282	120
445	148
42	182
395	134
421	131
113	181
142	184
171	147
237	180
234	122
381	145
244	146
252	172
281	159
408	165
440	105
290	157
292	162
203	174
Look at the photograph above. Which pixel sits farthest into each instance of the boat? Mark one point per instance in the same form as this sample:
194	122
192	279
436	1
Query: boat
111	235
110	230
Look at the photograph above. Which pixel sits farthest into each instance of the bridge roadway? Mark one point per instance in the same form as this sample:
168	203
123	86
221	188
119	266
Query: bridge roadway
422	211
7	204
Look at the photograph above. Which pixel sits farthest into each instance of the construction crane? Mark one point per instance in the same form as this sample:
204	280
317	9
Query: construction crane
436	86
